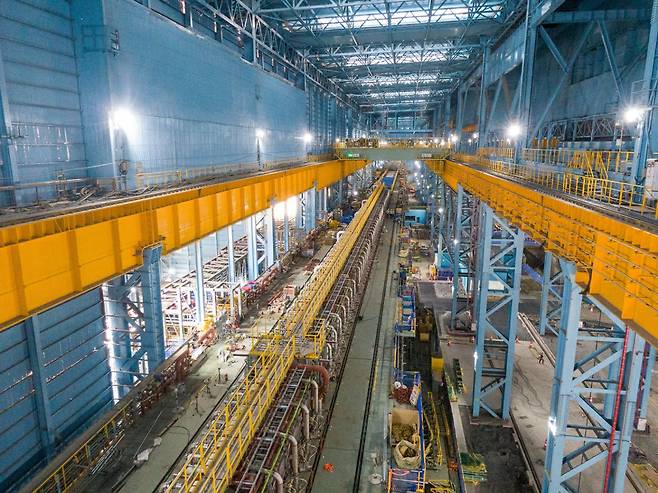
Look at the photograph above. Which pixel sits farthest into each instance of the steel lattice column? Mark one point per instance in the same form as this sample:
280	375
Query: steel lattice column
550	308
645	386
309	211
466	208
594	396
134	317
499	262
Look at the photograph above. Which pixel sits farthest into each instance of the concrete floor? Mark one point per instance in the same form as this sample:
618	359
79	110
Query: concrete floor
346	421
175	423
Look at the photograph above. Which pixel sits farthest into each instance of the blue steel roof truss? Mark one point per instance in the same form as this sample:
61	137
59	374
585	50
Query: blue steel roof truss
390	56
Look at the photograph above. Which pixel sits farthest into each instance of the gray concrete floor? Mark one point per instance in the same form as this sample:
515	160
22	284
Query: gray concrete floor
175	426
344	434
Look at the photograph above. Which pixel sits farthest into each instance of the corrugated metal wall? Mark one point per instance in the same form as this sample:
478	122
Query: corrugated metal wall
74	366
36	49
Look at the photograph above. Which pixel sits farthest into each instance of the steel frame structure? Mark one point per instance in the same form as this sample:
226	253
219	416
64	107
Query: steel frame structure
498	280
463	243
431	44
601	385
550	311
134	321
179	297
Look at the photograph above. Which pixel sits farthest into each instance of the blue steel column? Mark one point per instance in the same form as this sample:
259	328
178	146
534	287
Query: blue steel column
270	237
286	228
252	248
550	308
650	361
564	364
8	170
482	107
584	429
41	397
499	260
231	254
309	211
153	333
644	100
199	291
462	248
526	77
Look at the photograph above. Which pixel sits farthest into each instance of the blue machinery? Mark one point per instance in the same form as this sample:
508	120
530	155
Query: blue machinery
598	394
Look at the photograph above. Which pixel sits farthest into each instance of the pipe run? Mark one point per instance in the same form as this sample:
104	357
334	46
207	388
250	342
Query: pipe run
295	451
277	479
320	370
306	415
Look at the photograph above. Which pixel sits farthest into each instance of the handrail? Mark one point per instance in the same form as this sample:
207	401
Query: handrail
612	192
617	260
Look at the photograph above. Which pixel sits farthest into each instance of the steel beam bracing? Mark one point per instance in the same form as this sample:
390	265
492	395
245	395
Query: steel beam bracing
463	258
498	280
551	294
616	258
134	309
594	396
179	296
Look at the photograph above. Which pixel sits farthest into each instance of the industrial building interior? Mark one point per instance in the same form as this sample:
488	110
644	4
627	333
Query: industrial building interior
328	246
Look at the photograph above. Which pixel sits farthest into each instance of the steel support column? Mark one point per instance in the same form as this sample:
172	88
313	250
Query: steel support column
594	396
645	386
134	318
499	261
286	228
463	242
231	254
646	99
199	295
270	237
252	248
41	397
309	211
482	106
550	308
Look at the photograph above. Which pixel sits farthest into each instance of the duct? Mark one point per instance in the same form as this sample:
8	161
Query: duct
295	452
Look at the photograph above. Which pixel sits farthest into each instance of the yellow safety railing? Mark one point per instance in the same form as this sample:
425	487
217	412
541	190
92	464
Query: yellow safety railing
214	460
192	173
598	163
307	305
430	143
89	453
617	260
612	192
499	152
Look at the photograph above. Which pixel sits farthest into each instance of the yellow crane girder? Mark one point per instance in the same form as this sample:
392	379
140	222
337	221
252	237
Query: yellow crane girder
617	261
47	261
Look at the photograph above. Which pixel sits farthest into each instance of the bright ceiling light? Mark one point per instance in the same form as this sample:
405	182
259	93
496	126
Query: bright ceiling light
260	133
633	114
307	138
453	138
435	140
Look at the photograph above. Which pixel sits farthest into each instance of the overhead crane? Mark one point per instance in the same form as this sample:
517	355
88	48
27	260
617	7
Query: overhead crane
100	243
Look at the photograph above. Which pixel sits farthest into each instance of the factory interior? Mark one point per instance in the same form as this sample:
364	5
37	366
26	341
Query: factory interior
328	246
